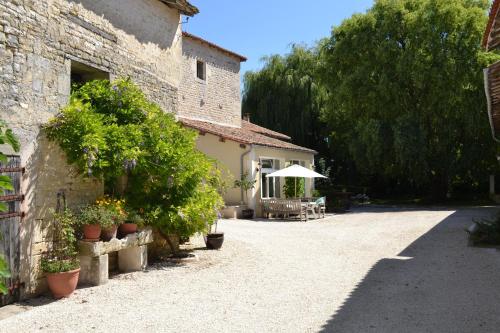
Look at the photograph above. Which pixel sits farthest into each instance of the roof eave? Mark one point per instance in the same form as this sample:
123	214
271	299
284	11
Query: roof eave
215	46
183	6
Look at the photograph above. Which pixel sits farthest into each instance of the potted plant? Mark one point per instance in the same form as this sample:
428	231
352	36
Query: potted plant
132	224
214	240
114	217
245	184
61	262
93	219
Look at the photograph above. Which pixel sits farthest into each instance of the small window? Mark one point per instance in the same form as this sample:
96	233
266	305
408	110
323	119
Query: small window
201	70
81	73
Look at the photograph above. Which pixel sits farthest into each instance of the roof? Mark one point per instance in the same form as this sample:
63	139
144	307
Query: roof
243	135
262	130
215	46
183	6
491	25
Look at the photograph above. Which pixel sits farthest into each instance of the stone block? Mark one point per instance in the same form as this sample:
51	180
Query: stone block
133	259
94	270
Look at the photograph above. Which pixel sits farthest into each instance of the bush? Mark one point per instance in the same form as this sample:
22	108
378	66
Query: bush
294	187
110	130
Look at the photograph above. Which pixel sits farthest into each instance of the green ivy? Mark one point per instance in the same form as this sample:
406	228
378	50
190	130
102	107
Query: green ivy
110	130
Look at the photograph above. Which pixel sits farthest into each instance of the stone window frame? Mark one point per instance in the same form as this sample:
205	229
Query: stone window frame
204	71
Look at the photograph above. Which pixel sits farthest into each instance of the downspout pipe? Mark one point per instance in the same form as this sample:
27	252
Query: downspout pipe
486	72
242	168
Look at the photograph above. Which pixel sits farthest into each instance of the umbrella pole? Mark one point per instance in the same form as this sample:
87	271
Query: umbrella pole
295	187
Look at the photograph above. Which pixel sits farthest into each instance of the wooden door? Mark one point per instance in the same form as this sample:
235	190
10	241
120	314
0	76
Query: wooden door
9	228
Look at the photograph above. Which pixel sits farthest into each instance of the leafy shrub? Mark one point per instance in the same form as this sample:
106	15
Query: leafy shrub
294	187
110	130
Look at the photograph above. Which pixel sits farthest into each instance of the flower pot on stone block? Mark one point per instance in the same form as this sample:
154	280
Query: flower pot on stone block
132	224
109	233
127	229
92	232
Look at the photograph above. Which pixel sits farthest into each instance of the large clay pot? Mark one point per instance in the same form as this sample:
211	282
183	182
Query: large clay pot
92	232
63	284
247	214
109	233
214	241
127	229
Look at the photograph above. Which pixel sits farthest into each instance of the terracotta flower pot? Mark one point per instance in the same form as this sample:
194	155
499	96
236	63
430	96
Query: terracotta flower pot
63	284
127	229
109	233
214	241
92	232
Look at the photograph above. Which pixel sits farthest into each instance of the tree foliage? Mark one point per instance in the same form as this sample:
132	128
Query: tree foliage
401	89
286	96
110	130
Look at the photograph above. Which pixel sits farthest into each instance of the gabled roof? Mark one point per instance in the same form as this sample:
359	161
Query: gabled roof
215	46
491	27
242	135
262	130
183	6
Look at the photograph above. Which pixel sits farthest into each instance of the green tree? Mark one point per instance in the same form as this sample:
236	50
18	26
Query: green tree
6	137
285	96
406	95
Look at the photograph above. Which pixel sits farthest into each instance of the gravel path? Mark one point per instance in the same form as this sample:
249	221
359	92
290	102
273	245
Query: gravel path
378	270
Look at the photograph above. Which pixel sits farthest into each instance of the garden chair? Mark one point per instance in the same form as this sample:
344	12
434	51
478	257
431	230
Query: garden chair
320	206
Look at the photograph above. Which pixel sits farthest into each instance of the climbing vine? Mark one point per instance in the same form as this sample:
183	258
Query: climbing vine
110	130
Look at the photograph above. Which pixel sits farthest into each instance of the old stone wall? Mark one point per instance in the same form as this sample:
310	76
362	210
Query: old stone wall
39	40
216	99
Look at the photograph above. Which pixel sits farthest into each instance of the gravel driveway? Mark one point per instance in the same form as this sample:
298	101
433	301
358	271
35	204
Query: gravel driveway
377	270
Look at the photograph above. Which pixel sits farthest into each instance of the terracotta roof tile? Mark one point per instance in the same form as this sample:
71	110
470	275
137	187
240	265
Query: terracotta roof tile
242	135
215	46
262	130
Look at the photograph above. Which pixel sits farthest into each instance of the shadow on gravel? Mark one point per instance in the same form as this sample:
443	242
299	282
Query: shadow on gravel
437	284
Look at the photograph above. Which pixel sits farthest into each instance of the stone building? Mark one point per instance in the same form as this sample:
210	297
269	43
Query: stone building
210	102
46	45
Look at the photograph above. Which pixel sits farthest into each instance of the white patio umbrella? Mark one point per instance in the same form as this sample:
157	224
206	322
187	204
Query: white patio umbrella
296	171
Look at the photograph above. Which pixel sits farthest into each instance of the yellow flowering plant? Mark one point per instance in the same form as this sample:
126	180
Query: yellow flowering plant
115	206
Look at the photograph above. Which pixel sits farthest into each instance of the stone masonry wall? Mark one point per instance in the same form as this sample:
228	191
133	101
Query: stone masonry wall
218	98
38	41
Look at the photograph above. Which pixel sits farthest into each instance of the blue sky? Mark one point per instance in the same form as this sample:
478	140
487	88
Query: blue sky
256	28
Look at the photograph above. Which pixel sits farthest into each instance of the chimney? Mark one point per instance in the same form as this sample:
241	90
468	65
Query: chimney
246	117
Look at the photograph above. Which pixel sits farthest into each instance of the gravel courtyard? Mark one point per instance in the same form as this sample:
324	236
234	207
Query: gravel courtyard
376	270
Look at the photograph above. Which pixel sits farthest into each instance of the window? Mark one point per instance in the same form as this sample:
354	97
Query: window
81	73
269	187
201	70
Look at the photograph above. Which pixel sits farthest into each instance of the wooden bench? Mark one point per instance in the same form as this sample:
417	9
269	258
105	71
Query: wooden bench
285	207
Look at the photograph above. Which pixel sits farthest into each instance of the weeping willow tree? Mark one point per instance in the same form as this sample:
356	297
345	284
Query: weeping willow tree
284	96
